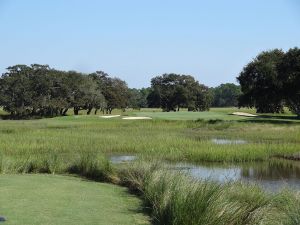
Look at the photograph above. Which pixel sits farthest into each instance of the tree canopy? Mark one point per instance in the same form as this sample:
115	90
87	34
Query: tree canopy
39	90
226	95
260	84
173	91
272	80
289	76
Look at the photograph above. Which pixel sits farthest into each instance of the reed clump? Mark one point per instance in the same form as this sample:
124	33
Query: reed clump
177	199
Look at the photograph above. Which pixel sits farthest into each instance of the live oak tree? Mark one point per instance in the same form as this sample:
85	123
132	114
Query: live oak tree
15	91
173	91
154	97
271	81
260	83
38	90
289	76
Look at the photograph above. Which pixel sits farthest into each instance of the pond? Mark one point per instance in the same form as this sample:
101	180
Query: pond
272	175
116	159
220	141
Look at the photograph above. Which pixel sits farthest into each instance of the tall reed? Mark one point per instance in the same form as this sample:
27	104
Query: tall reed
177	199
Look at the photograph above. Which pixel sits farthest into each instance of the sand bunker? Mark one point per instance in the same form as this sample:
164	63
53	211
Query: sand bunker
243	114
137	118
110	116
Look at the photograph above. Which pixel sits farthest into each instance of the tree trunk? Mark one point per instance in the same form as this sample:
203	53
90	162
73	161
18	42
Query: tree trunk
89	111
96	110
76	110
65	112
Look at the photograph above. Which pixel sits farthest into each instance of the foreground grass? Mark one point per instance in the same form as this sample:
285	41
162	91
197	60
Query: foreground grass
176	199
51	199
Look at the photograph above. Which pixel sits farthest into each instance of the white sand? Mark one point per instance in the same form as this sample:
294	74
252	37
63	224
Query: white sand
137	118
243	114
110	116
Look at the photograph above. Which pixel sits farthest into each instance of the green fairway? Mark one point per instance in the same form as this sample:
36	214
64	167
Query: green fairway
63	200
184	115
213	114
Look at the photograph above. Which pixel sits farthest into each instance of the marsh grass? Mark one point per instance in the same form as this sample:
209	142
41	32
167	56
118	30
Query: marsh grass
173	140
90	165
177	199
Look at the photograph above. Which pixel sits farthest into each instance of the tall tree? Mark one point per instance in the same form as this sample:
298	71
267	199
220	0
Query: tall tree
289	75
115	92
260	84
173	91
16	93
154	97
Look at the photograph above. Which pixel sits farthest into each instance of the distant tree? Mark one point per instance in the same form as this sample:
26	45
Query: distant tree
138	98
39	90
173	91
260	84
204	98
226	95
144	92
99	77
15	92
154	98
92	95
116	93
289	76
50	92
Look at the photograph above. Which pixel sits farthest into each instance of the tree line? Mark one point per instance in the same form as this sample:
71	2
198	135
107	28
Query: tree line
38	90
268	83
41	91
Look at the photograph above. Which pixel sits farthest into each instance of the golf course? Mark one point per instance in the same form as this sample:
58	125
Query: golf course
73	180
149	112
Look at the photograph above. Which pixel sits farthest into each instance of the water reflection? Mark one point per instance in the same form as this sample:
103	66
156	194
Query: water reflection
272	175
220	141
116	159
273	170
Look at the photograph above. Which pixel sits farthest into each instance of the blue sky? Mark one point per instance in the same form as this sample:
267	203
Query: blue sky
138	39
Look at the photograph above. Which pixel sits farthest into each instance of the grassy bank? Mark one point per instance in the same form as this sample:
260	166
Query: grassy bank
51	199
177	199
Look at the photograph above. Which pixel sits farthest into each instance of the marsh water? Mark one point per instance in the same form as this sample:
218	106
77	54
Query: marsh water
221	141
121	158
272	175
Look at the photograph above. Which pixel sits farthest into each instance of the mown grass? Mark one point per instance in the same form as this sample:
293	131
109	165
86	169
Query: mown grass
54	199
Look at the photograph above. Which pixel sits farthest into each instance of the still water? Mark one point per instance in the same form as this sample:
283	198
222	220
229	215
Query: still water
272	175
116	159
221	141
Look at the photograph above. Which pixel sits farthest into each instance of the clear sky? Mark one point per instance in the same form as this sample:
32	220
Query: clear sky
138	39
